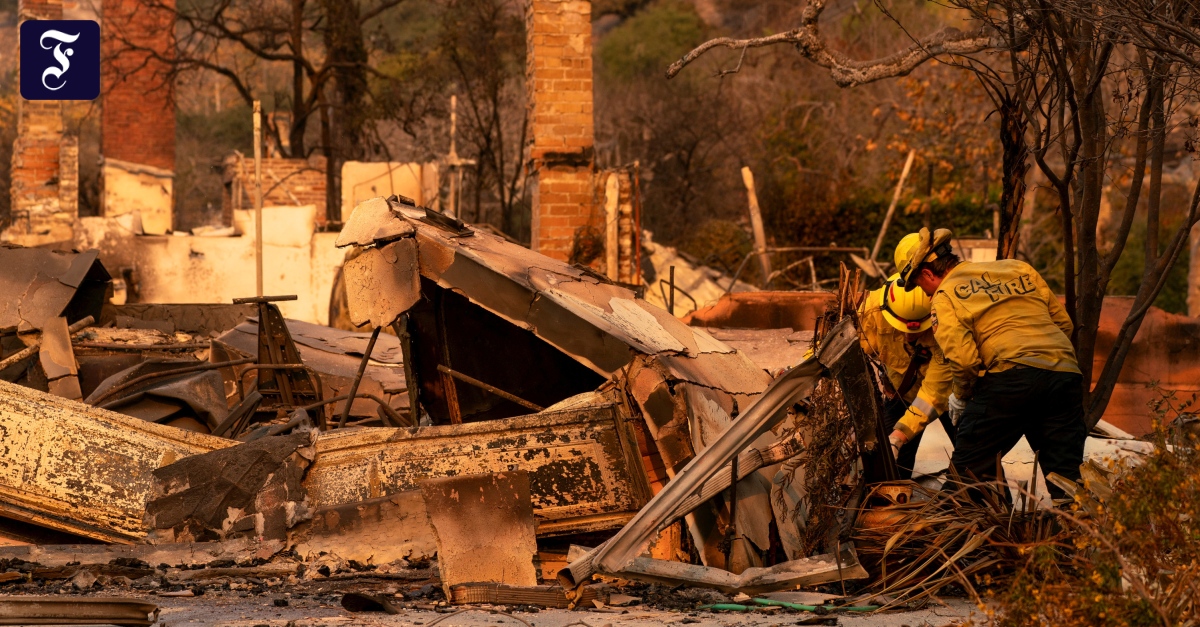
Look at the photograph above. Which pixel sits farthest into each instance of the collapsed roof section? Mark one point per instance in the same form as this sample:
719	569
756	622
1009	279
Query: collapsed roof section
407	252
451	289
45	284
558	302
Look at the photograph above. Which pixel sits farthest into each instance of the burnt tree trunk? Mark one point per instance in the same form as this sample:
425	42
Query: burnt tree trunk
1015	163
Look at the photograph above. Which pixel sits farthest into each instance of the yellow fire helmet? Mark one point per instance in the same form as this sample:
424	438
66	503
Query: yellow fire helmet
906	311
918	248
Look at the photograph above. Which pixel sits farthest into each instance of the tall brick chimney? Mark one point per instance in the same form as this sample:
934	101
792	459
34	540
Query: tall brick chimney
45	165
558	77
137	122
137	118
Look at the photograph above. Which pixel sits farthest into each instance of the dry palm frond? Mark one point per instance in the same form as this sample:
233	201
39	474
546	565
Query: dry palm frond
969	536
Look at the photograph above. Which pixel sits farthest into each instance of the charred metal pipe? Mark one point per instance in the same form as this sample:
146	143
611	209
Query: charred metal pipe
391	412
489	388
400	326
314	378
362	367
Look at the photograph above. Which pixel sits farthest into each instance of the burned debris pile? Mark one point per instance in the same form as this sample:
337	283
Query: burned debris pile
513	430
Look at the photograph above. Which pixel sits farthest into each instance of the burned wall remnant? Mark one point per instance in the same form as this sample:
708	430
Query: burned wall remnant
81	469
286	183
558	79
137	124
45	161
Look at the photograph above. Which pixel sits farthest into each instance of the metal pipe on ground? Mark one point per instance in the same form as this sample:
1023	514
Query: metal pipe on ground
489	388
32	349
362	367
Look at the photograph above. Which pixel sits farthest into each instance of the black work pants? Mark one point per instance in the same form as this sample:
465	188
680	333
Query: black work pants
1044	406
908	453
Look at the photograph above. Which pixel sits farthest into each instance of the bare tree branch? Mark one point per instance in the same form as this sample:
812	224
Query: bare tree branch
847	72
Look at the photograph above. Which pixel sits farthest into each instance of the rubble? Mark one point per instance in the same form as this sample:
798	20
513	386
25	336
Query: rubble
42	285
501	407
80	469
551	318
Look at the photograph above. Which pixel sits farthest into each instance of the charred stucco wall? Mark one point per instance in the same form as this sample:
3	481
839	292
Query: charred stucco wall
172	269
45	163
558	78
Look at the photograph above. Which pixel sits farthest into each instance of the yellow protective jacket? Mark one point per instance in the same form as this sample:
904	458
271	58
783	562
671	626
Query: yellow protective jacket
992	316
881	341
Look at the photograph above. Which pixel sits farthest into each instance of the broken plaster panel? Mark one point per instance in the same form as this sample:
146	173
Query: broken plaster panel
591	291
731	372
515	260
37	283
56	356
372	221
80	469
383	283
706	343
576	460
45	300
665	411
708	414
433	255
671	324
635	326
484	527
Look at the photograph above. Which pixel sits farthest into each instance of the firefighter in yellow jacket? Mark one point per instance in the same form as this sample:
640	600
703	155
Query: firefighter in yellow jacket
895	331
1008	340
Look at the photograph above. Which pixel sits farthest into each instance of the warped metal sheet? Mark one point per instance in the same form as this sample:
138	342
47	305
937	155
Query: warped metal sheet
40	284
579	463
80	469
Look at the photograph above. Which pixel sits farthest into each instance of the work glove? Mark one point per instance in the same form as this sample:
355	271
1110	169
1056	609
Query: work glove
956	408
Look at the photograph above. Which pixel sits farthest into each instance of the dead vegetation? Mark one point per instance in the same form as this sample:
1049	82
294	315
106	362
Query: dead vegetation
1130	550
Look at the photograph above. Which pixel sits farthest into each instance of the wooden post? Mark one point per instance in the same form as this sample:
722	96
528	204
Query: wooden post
612	195
756	223
258	201
887	219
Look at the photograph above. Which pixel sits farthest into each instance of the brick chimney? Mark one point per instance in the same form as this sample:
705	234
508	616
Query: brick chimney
137	122
45	164
560	150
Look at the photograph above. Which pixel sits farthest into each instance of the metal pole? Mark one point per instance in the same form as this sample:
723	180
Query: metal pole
489	388
400	326
362	367
258	201
453	204
671	298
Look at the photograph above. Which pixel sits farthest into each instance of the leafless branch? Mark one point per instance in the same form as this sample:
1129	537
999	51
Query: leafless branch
847	72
